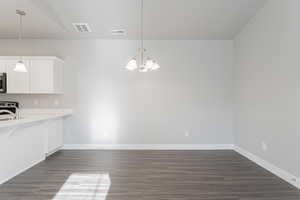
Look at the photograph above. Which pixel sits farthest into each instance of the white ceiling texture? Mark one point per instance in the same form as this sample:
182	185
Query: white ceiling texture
163	19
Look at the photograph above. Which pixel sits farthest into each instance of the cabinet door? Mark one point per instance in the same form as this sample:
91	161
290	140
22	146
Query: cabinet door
41	76
55	135
20	149
58	77
17	82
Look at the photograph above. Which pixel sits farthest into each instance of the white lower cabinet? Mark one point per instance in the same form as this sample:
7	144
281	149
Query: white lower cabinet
23	146
54	136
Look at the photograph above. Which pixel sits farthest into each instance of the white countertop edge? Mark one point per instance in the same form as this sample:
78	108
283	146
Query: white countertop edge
36	115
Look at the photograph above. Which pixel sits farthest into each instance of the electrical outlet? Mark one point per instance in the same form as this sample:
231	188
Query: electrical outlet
56	102
264	146
36	102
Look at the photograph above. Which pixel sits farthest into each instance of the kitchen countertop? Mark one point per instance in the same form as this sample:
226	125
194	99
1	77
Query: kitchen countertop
36	115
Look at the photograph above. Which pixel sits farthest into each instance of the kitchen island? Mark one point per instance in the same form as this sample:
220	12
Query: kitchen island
29	139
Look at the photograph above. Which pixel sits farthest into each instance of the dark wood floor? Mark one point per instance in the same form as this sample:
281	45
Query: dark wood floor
147	175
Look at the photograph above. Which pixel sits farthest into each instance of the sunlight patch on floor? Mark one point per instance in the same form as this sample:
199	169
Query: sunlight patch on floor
85	187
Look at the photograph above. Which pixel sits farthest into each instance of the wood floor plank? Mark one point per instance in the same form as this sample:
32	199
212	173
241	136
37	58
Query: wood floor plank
147	175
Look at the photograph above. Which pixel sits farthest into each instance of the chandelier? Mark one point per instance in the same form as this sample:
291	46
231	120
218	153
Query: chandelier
141	61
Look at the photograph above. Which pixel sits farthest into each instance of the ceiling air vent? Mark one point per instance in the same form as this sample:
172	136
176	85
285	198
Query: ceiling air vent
82	27
118	32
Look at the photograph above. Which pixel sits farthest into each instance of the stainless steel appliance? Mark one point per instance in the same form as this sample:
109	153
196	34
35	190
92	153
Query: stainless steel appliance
3	83
9	110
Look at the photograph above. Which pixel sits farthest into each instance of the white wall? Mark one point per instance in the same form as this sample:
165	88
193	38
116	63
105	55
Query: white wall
192	92
267	84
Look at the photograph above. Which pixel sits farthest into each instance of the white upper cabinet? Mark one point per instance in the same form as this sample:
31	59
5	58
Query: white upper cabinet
44	76
17	82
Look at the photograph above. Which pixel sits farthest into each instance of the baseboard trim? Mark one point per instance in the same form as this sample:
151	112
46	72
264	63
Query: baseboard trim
54	151
288	177
148	147
21	171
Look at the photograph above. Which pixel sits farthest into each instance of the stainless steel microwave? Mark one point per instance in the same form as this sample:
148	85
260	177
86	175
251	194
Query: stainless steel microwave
3	83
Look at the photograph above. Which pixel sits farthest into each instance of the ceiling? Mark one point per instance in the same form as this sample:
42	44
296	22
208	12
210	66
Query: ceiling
163	19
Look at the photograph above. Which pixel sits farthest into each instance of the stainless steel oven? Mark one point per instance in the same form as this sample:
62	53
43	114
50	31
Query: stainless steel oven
3	82
9	110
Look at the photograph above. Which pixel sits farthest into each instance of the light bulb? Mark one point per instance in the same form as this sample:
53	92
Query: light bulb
149	63
132	65
155	66
143	68
20	67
